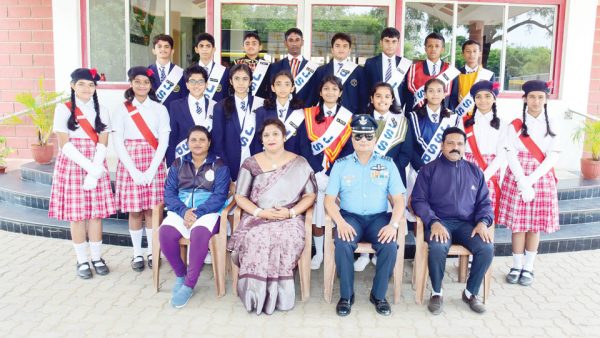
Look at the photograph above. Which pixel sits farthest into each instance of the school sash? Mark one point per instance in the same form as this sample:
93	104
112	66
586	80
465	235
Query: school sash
468	101
182	148
249	128
214	80
141	124
393	133
483	165
398	76
433	148
293	122
344	73
533	148
84	123
447	76
258	75
341	120
169	83
304	75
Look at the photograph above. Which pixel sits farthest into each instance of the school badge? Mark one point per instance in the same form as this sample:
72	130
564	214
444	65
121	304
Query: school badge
176	89
354	82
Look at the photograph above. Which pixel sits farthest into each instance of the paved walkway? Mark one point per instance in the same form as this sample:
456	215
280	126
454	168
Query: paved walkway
40	296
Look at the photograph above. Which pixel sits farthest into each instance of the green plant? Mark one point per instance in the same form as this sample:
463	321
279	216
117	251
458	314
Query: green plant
40	110
590	132
4	151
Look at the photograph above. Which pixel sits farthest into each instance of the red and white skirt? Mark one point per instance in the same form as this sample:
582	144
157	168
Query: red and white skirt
134	198
488	158
68	200
541	214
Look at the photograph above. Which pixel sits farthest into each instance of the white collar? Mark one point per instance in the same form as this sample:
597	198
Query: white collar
209	65
192	100
540	119
89	104
238	102
299	57
167	66
385	57
329	111
279	106
137	103
377	115
487	117
431	112
471	70
438	63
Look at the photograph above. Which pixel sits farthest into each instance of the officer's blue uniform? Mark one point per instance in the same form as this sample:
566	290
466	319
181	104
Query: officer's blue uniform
363	192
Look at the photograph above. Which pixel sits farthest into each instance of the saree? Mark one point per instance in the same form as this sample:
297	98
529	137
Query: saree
267	251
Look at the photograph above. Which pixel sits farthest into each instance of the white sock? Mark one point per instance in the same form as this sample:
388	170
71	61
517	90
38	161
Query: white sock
318	240
149	240
136	240
96	250
433	293
468	293
364	255
517	261
81	252
529	259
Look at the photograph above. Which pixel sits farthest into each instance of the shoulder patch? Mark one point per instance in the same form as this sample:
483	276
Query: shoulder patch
345	158
386	158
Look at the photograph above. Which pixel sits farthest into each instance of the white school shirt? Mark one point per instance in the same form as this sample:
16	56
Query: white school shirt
62	114
430	114
489	139
208	67
438	66
329	111
154	114
470	70
199	119
384	64
167	68
282	108
240	113
378	116
300	58
536	128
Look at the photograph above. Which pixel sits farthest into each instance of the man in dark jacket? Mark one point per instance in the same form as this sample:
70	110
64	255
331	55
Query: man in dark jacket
452	199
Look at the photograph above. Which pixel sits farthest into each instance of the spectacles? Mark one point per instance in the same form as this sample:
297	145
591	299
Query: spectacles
197	82
369	136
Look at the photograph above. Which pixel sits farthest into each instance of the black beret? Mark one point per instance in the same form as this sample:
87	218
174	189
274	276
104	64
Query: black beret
537	86
140	70
85	74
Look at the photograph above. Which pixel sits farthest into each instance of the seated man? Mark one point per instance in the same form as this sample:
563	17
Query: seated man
452	199
363	181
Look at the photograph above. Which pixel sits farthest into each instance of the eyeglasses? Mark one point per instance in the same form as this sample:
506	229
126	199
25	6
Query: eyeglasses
369	136
197	82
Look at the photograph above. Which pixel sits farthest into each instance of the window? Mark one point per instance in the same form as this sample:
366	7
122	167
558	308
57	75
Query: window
517	40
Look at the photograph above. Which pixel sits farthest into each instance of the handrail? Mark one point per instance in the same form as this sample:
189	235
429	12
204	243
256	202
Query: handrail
25	111
569	114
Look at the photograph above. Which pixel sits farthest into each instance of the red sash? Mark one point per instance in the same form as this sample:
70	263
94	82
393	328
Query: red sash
315	130
417	76
533	149
84	123
482	164
141	124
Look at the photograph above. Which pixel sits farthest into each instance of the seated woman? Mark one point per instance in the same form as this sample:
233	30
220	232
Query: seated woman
195	191
274	188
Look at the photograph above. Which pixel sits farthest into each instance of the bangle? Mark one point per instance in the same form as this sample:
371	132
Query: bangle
257	211
292	213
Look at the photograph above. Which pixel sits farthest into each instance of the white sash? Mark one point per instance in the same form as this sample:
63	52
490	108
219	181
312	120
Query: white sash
433	148
393	124
468	101
342	118
447	76
258	75
398	76
293	122
344	73
249	128
214	79
304	75
169	83
182	148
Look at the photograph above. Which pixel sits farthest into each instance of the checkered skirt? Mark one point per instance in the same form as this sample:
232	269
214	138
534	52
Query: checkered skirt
541	214
134	198
488	158
68	200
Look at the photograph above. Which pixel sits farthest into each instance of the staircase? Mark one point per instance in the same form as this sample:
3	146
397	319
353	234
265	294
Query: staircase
25	193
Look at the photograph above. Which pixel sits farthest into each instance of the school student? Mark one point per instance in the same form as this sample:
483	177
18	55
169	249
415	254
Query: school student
217	87
81	192
471	73
168	81
141	136
259	66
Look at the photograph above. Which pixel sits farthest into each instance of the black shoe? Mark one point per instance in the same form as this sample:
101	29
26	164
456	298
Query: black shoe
149	257
137	265
344	306
474	303
381	305
436	305
513	276
100	267
526	278
84	273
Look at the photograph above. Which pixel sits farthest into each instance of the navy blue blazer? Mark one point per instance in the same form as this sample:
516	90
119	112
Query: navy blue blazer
284	64
354	95
374	71
179	92
263	114
181	121
226	136
408	99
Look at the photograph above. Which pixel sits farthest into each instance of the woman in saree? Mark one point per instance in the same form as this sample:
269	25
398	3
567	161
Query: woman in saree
274	189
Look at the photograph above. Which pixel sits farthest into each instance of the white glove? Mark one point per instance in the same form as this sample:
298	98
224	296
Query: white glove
544	167
74	155
487	174
137	176
148	177
322	180
528	194
524	183
90	183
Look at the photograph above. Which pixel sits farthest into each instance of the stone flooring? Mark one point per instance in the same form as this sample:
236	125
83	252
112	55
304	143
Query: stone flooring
40	296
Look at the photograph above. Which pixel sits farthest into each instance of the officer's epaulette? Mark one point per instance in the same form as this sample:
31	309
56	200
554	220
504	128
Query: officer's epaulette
386	158
344	158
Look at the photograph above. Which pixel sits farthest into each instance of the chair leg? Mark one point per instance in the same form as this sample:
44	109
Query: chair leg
328	269
463	267
235	270
304	272
213	245
156	258
487	283
399	271
421	275
221	255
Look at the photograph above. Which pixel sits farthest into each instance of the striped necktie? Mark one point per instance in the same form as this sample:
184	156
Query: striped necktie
198	108
340	65
162	73
243	106
388	72
434	71
294	65
281	113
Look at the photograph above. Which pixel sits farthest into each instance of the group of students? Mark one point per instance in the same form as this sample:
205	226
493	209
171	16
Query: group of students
412	103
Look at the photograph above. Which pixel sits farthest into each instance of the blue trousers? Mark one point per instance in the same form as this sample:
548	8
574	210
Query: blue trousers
460	233
367	227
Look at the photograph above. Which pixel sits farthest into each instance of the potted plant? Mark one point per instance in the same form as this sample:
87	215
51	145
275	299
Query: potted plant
590	132
4	152
40	110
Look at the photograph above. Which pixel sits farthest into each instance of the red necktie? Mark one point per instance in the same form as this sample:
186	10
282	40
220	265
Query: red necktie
294	66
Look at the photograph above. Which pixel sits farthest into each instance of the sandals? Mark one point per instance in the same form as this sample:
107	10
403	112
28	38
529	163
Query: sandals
149	258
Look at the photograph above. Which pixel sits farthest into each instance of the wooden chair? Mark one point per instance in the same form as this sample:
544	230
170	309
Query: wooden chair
363	247
303	262
421	268
217	245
